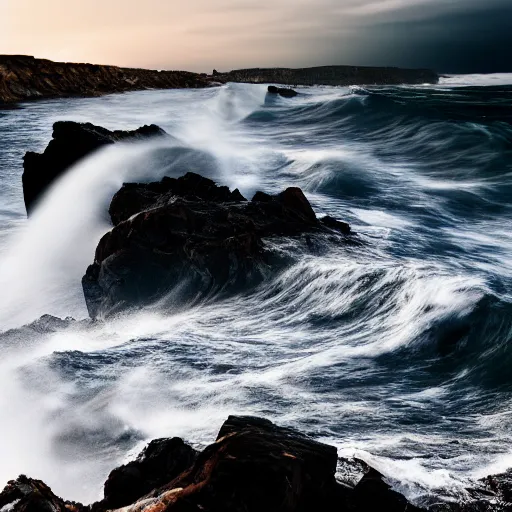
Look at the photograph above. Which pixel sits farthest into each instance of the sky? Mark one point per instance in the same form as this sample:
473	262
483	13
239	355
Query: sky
450	36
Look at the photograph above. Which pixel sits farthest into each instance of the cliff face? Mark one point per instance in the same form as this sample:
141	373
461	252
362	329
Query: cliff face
25	78
331	75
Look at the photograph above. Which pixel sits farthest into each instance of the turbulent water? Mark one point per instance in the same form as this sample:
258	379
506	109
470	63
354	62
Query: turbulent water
398	352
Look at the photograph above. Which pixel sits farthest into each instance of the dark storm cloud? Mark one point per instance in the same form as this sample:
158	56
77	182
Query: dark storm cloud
468	41
458	36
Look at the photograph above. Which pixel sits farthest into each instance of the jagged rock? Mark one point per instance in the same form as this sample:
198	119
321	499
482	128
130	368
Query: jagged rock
71	142
133	198
161	461
31	333
29	495
282	91
501	486
253	466
191	237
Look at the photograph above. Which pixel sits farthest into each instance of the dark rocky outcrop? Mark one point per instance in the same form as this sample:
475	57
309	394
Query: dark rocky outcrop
331	75
500	488
29	334
29	495
253	466
25	78
136	197
162	461
71	142
193	238
282	91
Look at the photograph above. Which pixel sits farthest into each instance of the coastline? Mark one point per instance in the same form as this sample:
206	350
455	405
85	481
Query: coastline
25	78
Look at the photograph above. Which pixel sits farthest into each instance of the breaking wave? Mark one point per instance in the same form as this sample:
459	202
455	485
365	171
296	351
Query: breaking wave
397	350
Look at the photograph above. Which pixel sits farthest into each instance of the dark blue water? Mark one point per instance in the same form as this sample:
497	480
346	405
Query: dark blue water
398	351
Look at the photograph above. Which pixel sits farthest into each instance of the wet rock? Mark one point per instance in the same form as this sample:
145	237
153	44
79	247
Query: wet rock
282	91
71	142
501	486
161	461
31	333
335	224
133	198
255	465
373	493
29	495
186	238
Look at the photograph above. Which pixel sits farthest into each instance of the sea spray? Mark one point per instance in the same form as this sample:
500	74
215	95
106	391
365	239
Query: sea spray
396	351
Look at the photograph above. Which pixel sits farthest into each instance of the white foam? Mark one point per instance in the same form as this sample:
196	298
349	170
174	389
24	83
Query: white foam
476	80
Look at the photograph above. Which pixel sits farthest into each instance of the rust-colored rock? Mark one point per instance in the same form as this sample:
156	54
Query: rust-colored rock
160	462
253	466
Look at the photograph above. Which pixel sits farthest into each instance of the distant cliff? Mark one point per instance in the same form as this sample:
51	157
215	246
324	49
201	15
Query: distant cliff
330	75
26	78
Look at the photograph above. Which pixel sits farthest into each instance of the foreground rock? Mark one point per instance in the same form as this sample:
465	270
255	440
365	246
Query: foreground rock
71	142
184	238
331	75
25	78
162	461
253	466
282	91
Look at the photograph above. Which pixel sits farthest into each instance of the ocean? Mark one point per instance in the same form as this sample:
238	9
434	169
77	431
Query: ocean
397	351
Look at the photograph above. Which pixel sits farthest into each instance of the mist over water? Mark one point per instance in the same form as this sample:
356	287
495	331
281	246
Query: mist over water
396	351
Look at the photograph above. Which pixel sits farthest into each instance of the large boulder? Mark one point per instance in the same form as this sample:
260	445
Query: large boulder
253	466
187	238
70	143
256	465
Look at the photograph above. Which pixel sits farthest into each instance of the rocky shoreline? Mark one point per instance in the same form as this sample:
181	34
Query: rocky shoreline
253	466
24	78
